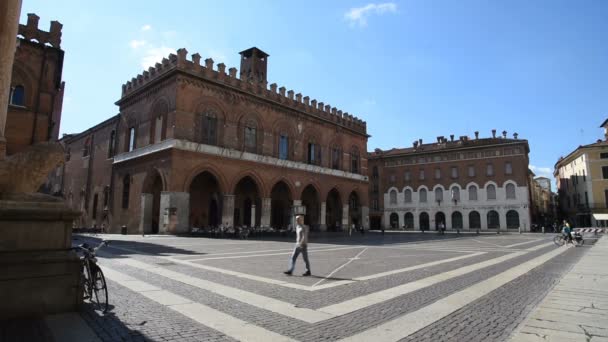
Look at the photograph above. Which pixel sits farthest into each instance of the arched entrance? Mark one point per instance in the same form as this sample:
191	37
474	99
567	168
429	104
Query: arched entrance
408	220
474	220
157	187
394	219
424	221
205	201
493	220
247	208
512	219
354	211
439	218
333	210
310	200
280	206
456	220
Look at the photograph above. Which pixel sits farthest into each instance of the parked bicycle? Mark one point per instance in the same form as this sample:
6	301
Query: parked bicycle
577	239
93	280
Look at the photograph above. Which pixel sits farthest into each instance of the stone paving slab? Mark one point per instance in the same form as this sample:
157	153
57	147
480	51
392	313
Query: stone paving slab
576	309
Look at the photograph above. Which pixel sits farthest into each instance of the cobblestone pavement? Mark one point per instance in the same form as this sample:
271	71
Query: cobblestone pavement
200	289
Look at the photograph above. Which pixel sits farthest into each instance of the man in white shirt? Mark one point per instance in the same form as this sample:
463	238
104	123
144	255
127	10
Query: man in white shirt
301	246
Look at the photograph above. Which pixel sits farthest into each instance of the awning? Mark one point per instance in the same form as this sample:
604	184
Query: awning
600	216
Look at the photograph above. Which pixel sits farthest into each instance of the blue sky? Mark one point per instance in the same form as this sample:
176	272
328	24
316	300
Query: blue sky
411	69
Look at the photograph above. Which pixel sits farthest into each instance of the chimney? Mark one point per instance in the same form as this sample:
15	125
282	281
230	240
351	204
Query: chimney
493	133
451	137
476	134
254	64
439	139
515	136
504	134
415	143
420	142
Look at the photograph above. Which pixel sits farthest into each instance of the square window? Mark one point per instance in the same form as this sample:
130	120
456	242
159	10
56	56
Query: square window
471	171
454	172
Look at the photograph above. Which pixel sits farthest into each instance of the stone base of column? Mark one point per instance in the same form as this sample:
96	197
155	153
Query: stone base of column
40	275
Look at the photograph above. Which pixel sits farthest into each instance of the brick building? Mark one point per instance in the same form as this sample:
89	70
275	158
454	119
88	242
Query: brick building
36	91
479	183
196	146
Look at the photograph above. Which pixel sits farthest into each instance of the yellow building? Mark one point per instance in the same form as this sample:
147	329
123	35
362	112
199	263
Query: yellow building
582	183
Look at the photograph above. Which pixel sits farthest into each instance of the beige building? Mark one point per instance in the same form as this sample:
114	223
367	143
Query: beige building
582	183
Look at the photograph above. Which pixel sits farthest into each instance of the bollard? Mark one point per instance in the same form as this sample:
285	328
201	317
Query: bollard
477	231
123	230
519	228
543	229
457	231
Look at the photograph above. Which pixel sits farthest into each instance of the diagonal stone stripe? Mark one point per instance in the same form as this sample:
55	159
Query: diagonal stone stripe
408	324
212	318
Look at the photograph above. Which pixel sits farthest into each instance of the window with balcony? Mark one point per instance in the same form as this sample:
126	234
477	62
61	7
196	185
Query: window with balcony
251	139
283	147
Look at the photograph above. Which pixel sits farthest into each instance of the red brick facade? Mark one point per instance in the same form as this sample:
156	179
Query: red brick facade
198	147
449	167
36	95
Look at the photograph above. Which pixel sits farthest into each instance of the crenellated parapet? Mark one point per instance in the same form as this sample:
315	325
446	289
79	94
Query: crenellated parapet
220	74
30	31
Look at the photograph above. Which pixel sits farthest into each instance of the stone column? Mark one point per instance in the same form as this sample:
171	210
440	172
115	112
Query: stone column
252	215
323	226
416	220
401	216
483	215
266	212
365	217
175	212
465	220
145	221
345	216
9	26
448	219
228	211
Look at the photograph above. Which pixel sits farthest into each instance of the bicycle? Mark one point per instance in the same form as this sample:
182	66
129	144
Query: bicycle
576	240
93	280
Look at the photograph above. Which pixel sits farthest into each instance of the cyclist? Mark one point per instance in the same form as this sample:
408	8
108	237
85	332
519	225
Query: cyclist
567	232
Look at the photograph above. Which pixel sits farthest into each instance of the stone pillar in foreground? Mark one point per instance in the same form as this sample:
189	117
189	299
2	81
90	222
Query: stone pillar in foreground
345	217
266	212
228	211
175	212
323	226
365	217
252	215
9	26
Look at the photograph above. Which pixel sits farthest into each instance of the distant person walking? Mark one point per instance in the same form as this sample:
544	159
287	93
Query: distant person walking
301	247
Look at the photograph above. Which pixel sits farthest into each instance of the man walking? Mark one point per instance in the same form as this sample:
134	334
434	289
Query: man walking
301	246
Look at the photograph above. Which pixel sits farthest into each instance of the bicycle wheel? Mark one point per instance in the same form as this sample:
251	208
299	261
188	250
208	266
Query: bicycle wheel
558	240
100	290
86	280
578	242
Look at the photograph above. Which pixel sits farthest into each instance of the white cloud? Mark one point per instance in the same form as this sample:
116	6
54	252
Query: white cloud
358	15
155	55
135	44
146	27
542	171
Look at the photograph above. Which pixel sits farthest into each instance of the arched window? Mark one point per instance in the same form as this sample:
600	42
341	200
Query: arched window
354	160
17	97
422	195
408	220
407	195
472	193
510	190
493	220
474	220
283	146
209	128
456	220
250	138
491	192
424	221
336	160
512	219
455	193
439	194
393	197
126	189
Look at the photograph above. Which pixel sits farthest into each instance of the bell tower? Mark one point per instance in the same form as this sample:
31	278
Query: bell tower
253	65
